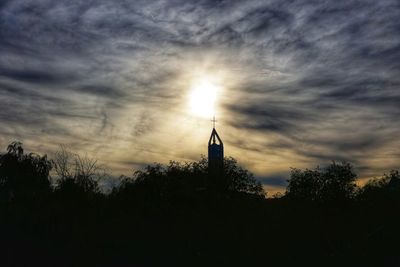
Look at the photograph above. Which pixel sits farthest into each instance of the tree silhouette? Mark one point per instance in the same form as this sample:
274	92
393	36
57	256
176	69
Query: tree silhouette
240	179
381	188
334	182
394	180
75	172
190	177
304	184
23	175
175	214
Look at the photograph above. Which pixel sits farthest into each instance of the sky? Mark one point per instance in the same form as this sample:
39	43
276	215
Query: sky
291	83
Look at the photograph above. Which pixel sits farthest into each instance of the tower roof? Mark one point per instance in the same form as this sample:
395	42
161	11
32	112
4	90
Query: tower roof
214	138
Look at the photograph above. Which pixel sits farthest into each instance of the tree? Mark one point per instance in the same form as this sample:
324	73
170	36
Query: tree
75	172
380	188
335	182
23	175
241	180
304	184
190	177
338	181
393	179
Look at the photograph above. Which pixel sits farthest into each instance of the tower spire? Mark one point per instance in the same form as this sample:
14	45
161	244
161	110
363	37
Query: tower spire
214	121
215	152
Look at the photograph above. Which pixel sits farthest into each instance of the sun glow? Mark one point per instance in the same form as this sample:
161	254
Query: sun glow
202	98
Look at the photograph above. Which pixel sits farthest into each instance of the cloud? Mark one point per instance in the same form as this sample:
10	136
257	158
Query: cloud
305	82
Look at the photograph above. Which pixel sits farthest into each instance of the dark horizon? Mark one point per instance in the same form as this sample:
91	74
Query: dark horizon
207	213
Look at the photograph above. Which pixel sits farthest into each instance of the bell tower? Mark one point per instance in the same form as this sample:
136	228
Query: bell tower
215	153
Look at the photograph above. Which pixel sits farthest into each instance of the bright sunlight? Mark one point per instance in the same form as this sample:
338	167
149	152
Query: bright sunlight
202	98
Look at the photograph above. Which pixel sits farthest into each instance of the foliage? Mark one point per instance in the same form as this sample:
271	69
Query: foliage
23	175
76	172
190	177
174	215
335	182
240	180
381	187
394	179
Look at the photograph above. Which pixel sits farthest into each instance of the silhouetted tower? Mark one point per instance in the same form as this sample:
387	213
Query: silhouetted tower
215	153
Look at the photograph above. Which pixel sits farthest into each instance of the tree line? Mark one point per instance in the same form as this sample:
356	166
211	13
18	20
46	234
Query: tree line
53	210
28	175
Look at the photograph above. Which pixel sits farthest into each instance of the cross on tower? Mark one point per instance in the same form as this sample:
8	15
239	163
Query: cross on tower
214	121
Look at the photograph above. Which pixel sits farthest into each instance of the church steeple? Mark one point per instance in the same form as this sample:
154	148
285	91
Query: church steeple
215	152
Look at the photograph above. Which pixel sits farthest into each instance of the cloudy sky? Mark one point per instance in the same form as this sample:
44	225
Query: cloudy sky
292	83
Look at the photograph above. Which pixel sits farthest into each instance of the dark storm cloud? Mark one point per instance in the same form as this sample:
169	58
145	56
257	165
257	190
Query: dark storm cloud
320	77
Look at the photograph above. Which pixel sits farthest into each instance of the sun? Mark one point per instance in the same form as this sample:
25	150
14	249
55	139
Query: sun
203	97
